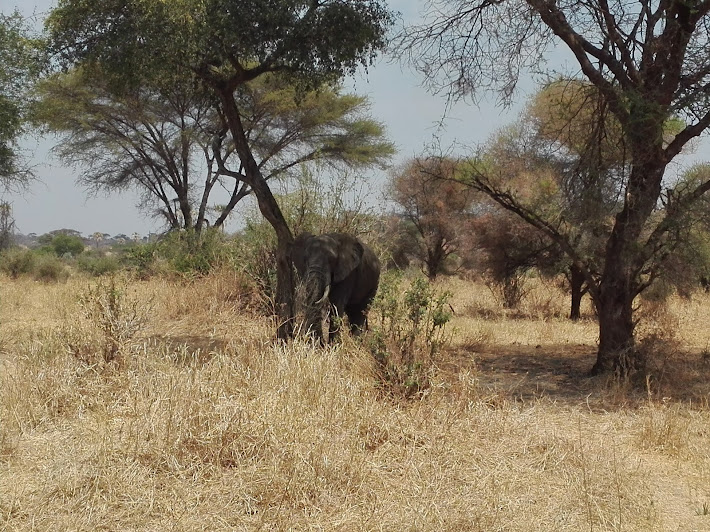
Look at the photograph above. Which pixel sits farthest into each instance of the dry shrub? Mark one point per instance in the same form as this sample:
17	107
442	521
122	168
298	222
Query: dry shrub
545	300
44	384
222	290
659	348
113	316
664	428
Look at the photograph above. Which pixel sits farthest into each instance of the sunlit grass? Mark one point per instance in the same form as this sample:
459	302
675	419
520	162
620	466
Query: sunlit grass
204	423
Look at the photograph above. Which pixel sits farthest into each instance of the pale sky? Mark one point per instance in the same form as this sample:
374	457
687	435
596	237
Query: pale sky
411	115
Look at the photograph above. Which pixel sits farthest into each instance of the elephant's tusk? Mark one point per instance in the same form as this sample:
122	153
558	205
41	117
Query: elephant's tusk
325	294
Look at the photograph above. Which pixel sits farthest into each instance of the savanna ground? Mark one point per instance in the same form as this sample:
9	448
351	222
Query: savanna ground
201	422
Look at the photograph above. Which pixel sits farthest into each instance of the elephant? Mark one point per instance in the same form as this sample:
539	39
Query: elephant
340	275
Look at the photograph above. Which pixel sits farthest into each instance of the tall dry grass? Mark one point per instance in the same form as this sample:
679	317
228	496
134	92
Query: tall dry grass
203	423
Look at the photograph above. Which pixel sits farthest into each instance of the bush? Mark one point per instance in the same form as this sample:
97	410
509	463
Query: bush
185	253
195	253
97	265
115	317
255	250
190	253
64	245
409	334
50	269
509	289
139	258
15	262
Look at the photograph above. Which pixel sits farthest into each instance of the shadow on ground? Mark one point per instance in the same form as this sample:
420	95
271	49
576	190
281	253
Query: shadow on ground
561	373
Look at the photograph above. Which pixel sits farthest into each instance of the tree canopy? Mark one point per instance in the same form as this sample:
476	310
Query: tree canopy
19	65
235	41
434	205
162	142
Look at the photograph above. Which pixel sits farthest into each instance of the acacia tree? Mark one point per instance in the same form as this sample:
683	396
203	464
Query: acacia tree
434	205
19	65
154	141
568	146
508	249
224	44
649	62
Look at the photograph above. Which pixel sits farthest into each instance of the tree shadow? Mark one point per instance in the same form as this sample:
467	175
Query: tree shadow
561	373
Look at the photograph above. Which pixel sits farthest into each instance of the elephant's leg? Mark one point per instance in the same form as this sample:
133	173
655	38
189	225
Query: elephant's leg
337	311
357	313
357	316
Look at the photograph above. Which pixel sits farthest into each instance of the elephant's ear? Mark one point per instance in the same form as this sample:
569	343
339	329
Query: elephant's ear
349	257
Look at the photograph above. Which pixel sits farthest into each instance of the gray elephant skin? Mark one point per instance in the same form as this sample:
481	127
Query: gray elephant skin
341	275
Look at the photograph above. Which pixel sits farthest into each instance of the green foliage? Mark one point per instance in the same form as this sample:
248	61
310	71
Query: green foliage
97	264
19	64
49	269
182	253
408	332
139	258
66	245
192	253
17	261
164	41
255	256
7	226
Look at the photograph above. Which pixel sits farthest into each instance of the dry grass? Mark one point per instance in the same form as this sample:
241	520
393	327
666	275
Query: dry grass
203	423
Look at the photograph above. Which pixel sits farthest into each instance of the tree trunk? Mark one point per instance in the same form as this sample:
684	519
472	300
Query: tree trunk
576	281
623	262
186	210
434	256
616	333
272	213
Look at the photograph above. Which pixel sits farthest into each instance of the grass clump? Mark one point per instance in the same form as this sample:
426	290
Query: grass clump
97	264
49	269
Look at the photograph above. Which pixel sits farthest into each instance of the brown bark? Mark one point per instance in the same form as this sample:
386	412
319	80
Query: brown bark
270	210
624	260
616	331
576	280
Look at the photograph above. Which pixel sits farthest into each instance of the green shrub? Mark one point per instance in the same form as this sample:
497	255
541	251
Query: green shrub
185	253
139	258
409	330
97	265
190	253
50	269
16	261
255	254
64	245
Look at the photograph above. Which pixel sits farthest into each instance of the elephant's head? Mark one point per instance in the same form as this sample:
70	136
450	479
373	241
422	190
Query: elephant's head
324	263
324	260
